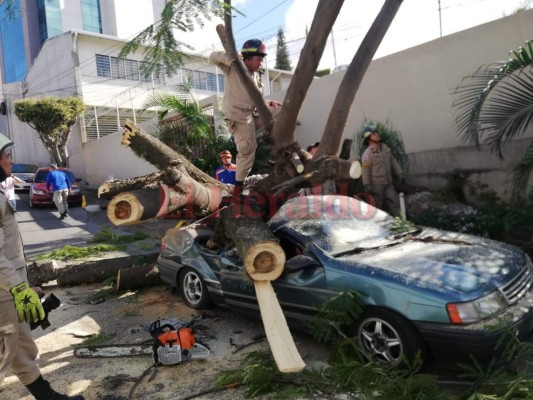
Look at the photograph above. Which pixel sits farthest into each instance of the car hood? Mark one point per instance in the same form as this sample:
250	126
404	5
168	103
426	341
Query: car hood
24	175
446	261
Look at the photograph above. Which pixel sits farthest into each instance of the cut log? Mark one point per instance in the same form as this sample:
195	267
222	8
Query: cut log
137	277
76	272
140	205
263	259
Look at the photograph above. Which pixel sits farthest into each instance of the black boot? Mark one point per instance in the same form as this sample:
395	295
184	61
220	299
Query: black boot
41	390
62	216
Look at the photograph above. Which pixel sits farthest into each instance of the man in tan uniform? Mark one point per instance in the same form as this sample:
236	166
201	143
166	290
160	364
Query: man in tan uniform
19	303
378	166
239	110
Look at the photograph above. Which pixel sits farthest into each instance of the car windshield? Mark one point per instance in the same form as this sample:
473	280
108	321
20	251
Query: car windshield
23	168
337	223
41	176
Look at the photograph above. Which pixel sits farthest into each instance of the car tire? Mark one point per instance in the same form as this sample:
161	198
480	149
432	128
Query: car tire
387	337
193	289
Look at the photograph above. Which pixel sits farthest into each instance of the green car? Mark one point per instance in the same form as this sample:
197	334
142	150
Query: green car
441	294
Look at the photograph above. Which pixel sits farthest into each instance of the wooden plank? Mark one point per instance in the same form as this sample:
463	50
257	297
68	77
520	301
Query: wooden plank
279	337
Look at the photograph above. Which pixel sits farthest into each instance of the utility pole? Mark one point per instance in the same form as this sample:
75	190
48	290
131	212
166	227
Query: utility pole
334	52
440	19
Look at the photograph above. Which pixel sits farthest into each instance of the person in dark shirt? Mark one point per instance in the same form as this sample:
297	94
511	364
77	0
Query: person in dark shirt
61	185
226	173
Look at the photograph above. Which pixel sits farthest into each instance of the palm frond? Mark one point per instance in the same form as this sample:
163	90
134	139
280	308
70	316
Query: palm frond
163	49
521	173
476	88
508	112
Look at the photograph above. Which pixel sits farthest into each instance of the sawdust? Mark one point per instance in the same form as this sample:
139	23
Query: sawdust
127	317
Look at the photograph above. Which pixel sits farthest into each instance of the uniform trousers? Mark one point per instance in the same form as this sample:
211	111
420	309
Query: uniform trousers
18	351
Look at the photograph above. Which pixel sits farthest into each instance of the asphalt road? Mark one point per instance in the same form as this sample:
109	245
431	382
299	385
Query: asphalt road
42	230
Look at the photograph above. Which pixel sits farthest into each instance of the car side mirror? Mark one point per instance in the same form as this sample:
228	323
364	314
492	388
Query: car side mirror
300	262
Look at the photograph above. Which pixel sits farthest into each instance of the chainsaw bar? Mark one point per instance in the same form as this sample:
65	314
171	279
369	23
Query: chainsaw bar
131	350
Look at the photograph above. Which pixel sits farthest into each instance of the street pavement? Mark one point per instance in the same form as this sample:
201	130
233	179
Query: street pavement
42	230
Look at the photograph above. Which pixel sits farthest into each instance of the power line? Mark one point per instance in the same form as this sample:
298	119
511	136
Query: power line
261	16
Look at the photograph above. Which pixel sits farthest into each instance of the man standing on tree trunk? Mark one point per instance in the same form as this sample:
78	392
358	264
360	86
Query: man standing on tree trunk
61	187
19	303
239	110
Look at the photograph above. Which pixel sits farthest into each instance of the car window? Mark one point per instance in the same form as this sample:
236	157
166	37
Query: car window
24	168
335	223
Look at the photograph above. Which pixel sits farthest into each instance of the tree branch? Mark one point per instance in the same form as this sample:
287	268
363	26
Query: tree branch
325	16
331	138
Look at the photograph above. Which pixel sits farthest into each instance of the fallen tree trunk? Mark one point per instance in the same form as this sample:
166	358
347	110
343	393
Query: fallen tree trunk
137	276
181	184
77	272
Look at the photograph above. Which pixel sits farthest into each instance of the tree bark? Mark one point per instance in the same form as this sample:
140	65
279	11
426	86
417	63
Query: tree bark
76	272
182	184
109	189
325	16
137	276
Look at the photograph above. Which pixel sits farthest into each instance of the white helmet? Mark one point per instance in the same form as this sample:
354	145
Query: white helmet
5	142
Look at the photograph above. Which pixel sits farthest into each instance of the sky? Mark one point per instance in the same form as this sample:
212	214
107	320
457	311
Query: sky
416	22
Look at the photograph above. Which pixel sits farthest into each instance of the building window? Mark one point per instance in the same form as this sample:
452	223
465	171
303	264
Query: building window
49	16
116	68
132	70
90	13
199	80
211	82
103	66
13	54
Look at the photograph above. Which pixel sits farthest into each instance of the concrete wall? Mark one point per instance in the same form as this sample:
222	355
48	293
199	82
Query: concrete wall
413	89
107	159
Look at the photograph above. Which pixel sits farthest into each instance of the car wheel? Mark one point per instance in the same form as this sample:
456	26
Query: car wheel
387	337
193	289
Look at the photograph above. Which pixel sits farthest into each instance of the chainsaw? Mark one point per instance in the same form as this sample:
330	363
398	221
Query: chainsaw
140	350
169	346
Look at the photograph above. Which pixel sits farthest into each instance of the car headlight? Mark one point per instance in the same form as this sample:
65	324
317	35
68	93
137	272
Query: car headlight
39	192
476	310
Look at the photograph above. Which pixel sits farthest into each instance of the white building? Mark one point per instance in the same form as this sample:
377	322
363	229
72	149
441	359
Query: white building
85	65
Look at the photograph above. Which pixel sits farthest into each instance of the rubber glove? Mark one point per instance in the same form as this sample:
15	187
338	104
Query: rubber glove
27	303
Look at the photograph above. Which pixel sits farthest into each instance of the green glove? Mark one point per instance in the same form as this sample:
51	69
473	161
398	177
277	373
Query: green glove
27	303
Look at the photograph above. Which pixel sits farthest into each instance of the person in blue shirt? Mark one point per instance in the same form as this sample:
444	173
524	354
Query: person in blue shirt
61	189
226	173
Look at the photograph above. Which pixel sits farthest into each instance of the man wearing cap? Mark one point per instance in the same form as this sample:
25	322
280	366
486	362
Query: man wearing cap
226	172
19	303
378	166
61	185
239	109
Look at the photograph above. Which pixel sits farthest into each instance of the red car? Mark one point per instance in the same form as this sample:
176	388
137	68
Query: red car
40	196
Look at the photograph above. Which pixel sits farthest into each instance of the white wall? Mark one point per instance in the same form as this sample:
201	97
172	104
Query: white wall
413	90
106	159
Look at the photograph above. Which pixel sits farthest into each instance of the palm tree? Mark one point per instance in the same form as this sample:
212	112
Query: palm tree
496	101
190	132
